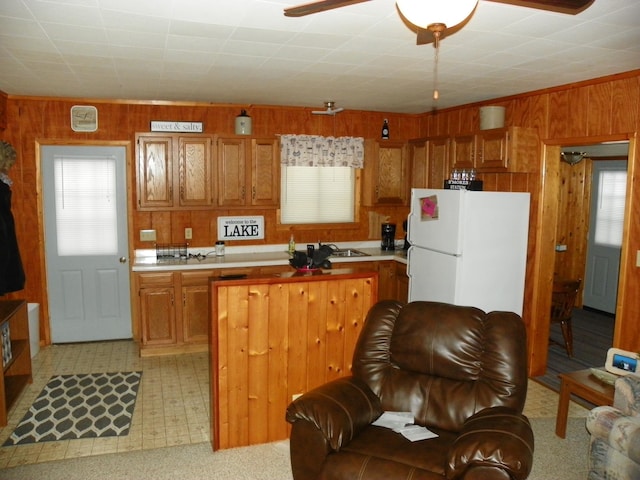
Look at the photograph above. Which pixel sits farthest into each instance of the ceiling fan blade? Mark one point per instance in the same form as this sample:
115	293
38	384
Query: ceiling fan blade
320	6
561	6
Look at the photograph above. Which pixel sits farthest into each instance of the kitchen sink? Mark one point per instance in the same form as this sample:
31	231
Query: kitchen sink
348	252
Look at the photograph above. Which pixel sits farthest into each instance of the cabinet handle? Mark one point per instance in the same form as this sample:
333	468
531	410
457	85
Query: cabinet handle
243	192
253	192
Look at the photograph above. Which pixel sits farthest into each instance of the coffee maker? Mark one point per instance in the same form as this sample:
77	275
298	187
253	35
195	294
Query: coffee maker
388	236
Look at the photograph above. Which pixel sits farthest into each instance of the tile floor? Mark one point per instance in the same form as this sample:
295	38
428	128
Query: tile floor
172	407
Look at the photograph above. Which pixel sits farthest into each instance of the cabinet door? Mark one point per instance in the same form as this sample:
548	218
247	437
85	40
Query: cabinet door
157	315
231	172
195	313
492	149
419	165
195	174
437	161
387	280
155	171
402	283
265	171
386	173
463	152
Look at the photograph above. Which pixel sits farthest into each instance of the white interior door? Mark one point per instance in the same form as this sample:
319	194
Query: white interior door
86	242
609	187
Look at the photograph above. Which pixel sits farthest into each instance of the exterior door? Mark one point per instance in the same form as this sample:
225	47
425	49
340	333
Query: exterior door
86	239
609	187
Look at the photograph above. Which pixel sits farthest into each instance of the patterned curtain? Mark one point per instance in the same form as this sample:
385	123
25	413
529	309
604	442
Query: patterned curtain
317	151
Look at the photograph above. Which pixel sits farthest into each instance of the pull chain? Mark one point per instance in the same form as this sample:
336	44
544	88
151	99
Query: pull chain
436	46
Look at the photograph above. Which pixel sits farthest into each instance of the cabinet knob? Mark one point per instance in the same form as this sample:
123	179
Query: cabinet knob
123	259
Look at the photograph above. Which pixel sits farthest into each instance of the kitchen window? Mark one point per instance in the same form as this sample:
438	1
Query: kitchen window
318	179
317	195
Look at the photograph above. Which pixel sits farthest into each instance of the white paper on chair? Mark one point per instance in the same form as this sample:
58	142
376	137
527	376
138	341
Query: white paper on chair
403	423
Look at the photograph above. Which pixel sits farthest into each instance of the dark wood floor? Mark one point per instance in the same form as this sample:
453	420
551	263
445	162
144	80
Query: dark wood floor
592	337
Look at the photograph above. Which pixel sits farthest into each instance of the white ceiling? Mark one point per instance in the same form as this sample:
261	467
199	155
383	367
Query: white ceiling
247	52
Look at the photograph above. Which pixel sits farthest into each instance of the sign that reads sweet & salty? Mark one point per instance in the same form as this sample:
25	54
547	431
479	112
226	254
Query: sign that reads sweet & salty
193	127
241	228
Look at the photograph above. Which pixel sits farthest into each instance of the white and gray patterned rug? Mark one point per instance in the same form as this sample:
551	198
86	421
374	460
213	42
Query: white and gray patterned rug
86	405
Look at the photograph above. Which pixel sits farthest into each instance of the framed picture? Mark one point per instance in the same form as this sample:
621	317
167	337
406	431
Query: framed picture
84	118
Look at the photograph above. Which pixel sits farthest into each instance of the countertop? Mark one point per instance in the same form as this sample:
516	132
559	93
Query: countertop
255	256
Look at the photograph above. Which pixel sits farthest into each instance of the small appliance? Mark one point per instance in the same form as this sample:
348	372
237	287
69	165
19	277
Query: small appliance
388	236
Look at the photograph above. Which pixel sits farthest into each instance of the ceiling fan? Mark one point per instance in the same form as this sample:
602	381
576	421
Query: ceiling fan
425	35
330	110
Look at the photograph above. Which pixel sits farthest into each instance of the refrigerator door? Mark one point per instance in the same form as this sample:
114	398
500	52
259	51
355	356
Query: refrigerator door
433	276
435	220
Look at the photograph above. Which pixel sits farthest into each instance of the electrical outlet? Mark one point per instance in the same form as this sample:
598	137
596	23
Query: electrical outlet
188	234
147	235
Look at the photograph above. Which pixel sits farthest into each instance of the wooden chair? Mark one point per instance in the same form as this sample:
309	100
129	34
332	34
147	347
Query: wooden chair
563	300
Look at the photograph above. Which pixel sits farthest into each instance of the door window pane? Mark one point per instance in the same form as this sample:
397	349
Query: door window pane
610	209
85	195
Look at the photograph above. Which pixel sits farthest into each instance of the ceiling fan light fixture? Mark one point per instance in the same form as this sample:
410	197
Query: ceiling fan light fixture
446	12
572	157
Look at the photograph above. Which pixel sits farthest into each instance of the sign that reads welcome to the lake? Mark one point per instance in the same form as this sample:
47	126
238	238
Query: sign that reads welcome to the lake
241	228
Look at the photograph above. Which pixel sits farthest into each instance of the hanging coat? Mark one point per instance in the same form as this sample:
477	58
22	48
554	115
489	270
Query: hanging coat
11	270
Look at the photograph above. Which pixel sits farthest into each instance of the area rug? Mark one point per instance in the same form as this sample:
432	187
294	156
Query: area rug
88	405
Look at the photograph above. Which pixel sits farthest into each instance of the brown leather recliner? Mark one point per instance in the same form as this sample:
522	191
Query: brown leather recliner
460	371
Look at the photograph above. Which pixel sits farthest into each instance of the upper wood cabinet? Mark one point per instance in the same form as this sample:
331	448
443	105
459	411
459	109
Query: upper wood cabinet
174	171
513	149
386	173
248	172
509	149
429	162
463	150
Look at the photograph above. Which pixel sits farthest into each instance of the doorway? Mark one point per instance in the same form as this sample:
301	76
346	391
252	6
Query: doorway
606	219
86	242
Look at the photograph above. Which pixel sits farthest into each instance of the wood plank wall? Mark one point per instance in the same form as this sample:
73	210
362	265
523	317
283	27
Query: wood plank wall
272	339
593	111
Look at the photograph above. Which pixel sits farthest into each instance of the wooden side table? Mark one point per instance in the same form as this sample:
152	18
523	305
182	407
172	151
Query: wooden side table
584	385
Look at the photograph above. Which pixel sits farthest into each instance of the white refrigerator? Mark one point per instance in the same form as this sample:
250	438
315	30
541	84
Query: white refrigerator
468	248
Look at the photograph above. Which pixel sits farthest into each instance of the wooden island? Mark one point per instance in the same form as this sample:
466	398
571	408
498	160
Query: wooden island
273	338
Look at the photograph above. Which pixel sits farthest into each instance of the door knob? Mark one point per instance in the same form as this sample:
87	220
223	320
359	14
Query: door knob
123	259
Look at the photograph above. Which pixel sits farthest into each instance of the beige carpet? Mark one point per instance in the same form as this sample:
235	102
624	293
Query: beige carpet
554	459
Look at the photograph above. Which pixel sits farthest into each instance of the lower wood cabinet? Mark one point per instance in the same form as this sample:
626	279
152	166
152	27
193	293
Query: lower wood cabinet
173	307
393	283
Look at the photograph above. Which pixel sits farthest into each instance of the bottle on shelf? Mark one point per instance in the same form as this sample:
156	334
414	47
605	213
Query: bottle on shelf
385	129
292	245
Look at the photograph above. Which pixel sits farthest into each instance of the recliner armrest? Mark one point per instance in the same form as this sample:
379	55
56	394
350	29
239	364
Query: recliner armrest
339	409
498	437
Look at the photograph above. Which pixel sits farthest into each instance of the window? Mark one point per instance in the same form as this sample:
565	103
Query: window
610	207
86	213
317	195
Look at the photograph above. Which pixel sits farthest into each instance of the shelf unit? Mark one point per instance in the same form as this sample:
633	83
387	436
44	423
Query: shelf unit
16	374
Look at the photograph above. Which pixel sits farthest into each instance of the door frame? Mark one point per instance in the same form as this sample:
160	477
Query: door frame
545	241
45	330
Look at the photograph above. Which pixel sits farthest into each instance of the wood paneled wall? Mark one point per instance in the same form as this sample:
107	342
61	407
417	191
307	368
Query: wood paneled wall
587	112
33	121
271	339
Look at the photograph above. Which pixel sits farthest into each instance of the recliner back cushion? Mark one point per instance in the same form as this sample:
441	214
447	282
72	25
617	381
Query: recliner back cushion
442	362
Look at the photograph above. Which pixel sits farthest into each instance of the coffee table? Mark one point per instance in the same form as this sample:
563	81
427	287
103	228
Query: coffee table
584	385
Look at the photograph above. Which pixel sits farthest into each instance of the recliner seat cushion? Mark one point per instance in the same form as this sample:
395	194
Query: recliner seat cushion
380	453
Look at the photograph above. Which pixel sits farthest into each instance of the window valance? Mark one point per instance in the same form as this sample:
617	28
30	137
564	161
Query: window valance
318	151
